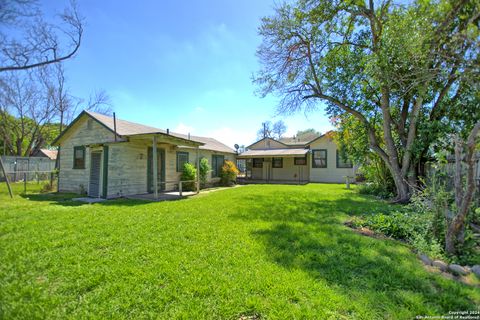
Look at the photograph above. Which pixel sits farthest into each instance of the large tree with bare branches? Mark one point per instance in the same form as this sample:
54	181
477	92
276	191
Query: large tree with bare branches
29	40
386	64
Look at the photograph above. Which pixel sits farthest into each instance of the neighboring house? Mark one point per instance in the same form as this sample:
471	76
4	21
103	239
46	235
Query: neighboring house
107	157
317	160
46	153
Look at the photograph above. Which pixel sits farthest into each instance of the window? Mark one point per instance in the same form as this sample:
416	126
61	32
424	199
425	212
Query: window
217	163
277	163
182	158
258	162
300	161
319	158
341	163
79	157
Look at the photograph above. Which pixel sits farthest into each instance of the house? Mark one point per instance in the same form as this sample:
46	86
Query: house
294	161
46	153
108	157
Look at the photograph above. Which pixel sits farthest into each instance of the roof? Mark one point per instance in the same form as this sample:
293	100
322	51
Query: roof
51	154
273	153
127	128
328	134
211	144
296	141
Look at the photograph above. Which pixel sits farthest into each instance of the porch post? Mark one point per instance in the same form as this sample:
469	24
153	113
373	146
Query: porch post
198	170
155	166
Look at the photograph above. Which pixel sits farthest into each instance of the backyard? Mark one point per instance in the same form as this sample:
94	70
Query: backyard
253	252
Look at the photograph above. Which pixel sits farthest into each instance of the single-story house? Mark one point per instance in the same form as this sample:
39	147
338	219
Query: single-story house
294	161
107	157
46	153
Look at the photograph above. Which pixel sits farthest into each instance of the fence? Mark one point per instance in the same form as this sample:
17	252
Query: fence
444	174
29	168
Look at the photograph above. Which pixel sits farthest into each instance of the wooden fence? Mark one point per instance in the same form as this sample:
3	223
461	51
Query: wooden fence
29	168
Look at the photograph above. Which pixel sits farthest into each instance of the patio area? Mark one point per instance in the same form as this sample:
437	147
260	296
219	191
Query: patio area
162	196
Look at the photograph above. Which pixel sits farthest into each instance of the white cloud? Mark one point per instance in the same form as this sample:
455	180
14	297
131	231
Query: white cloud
199	109
183	128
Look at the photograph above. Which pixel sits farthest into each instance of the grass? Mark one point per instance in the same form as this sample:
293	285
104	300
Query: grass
264	251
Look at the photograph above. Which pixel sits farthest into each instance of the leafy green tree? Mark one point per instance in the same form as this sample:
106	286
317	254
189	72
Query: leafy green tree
307	134
388	65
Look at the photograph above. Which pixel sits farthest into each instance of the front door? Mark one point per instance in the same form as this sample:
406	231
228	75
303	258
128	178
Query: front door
267	169
161	169
95	165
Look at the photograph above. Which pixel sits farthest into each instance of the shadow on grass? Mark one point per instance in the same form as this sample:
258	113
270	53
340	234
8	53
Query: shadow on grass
66	199
308	234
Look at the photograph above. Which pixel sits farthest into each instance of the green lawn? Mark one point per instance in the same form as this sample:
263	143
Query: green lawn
277	252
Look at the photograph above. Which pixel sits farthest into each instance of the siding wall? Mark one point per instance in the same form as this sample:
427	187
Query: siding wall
76	180
267	143
192	158
289	171
127	169
331	173
128	166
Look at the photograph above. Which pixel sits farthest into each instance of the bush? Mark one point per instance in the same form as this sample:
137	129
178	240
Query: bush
204	170
372	188
379	181
409	225
229	173
189	173
47	187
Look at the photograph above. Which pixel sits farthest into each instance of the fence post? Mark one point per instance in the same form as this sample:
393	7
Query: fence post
180	188
51	180
6	178
25	183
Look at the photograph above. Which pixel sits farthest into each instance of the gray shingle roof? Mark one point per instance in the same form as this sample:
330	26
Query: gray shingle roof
127	128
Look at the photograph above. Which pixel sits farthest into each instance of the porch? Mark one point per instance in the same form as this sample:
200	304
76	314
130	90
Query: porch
275	166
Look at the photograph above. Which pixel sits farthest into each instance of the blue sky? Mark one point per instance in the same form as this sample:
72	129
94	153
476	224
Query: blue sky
182	65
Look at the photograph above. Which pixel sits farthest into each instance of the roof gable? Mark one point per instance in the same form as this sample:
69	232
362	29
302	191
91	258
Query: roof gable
125	128
266	143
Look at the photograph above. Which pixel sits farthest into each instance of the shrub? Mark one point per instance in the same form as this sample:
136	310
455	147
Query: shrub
414	227
47	187
229	173
204	170
189	173
375	189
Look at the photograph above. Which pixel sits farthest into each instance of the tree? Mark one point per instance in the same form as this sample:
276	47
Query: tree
36	104
25	113
307	134
28	41
272	130
279	129
386	65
